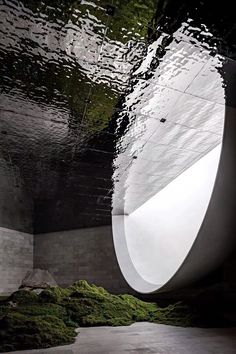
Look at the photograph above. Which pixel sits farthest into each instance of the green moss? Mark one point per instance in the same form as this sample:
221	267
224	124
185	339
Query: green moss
29	321
4	308
24	296
44	310
174	314
18	331
54	294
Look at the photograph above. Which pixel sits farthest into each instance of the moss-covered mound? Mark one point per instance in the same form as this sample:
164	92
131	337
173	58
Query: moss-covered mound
29	321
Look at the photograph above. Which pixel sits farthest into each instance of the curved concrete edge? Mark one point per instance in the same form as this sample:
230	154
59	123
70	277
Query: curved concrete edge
131	275
216	237
144	258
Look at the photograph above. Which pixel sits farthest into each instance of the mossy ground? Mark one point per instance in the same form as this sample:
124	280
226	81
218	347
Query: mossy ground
30	321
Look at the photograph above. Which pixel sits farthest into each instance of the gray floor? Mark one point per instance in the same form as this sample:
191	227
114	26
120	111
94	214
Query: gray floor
148	338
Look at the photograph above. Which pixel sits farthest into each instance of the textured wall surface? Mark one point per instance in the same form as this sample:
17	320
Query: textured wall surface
16	258
80	254
15	204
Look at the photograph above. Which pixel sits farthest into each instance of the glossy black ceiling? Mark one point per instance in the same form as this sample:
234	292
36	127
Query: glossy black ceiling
66	68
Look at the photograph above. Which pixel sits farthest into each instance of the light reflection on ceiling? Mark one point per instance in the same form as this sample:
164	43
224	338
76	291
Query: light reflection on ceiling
93	93
175	119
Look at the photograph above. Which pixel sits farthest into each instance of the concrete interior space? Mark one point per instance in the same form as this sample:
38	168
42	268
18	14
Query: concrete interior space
117	162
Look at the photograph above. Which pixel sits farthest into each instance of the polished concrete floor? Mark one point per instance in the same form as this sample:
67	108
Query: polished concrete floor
145	338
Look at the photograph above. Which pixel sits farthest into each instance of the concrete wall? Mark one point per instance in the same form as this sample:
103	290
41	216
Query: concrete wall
16	206
16	258
80	254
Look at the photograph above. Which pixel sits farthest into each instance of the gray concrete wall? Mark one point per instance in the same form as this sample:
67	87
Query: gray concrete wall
80	254
73	255
16	206
16	258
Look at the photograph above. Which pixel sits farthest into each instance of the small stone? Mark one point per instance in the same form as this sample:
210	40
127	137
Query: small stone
38	279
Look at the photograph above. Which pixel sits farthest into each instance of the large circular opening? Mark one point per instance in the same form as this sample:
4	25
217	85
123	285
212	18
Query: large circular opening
166	170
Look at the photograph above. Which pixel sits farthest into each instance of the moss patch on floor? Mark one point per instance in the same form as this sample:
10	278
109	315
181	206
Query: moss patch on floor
31	321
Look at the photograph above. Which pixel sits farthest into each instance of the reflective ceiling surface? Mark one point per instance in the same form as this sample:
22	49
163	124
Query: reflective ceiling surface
103	103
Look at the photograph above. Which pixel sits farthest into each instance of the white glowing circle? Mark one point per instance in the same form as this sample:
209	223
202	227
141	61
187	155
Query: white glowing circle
160	233
156	224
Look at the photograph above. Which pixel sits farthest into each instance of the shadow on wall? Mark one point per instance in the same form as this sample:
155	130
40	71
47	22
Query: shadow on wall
15	204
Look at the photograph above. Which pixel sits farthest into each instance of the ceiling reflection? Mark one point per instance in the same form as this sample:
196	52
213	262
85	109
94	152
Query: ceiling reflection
176	116
93	97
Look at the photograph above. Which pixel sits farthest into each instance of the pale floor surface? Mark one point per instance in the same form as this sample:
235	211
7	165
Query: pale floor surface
145	338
